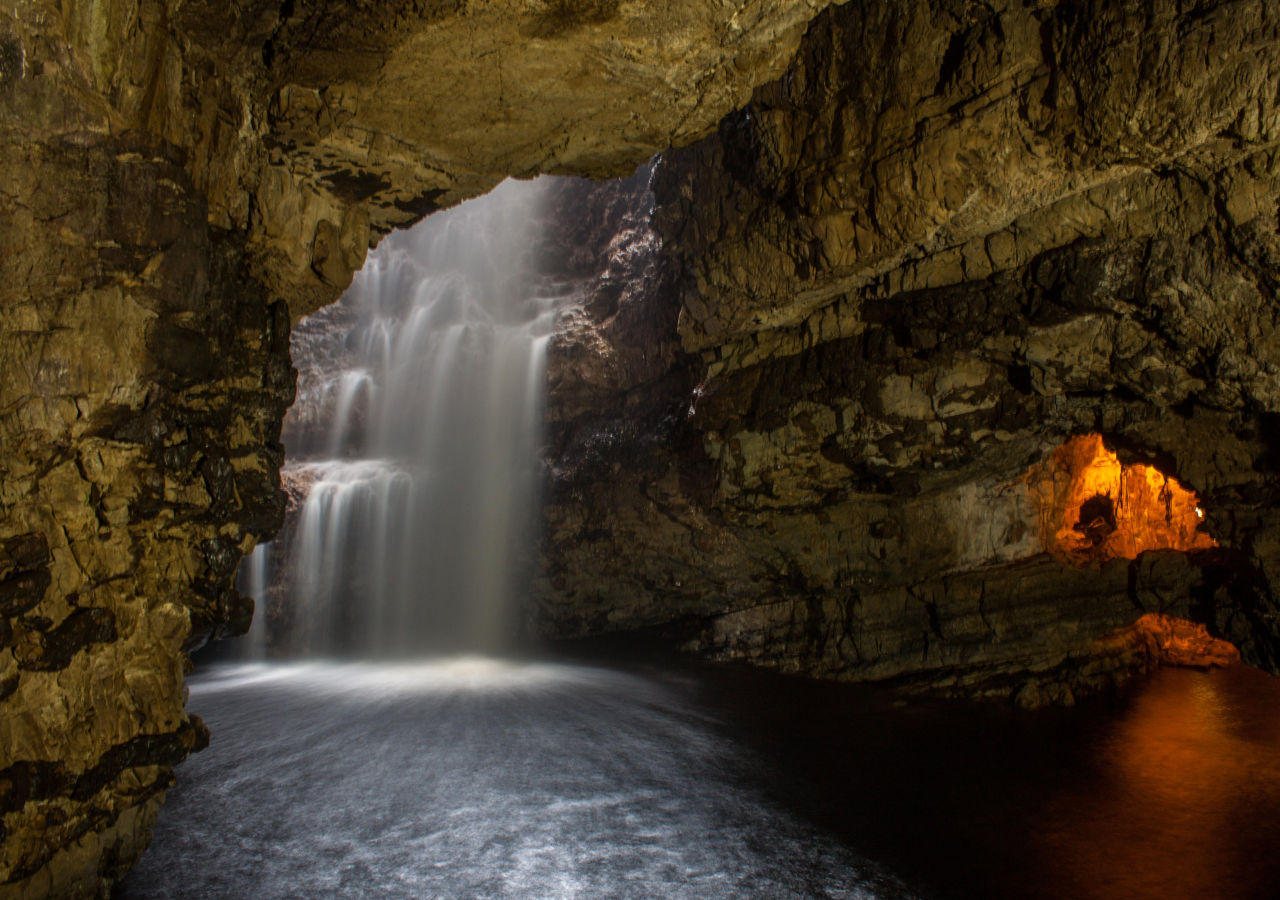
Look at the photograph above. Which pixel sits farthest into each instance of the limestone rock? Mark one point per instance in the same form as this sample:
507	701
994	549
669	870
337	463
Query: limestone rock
922	144
179	181
945	239
145	381
949	238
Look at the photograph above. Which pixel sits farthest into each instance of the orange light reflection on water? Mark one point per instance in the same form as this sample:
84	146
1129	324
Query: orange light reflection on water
1193	757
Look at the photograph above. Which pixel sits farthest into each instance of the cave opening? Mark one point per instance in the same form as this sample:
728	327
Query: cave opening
1092	507
906	246
411	447
528	769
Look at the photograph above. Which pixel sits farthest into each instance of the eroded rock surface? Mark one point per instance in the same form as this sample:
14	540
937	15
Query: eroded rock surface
145	380
946	240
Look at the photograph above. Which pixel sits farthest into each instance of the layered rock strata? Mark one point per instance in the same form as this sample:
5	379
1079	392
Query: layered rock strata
181	180
949	238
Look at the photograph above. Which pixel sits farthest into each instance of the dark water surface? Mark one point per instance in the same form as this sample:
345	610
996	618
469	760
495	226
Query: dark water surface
480	778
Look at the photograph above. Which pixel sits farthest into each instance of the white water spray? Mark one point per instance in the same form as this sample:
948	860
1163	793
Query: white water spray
253	578
419	497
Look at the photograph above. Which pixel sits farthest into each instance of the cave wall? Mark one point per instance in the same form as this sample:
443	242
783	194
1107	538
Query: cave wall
179	181
948	238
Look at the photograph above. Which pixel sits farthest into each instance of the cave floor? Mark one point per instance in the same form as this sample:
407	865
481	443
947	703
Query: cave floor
484	778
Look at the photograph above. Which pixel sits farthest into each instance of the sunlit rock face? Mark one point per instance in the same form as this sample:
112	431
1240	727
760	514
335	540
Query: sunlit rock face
944	243
178	182
144	380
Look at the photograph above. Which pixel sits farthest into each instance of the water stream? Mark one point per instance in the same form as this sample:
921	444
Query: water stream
417	475
480	778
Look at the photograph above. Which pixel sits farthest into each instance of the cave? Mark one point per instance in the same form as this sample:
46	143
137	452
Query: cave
900	491
1094	508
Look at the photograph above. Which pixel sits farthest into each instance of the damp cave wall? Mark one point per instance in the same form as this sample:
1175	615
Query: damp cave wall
888	284
179	182
945	240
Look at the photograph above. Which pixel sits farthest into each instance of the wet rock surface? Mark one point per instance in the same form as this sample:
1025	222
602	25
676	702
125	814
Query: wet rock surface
947	238
146	376
181	181
944	242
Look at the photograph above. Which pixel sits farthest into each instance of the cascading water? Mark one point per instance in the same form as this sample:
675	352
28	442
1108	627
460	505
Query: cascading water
417	478
252	580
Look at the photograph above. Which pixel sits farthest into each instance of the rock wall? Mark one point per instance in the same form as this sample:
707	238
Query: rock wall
145	382
179	180
947	239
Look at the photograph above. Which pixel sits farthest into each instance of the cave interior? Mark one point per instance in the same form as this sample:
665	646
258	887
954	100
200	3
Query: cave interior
929	347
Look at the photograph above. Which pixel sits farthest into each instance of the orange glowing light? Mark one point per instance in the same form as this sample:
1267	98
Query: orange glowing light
1178	642
1094	508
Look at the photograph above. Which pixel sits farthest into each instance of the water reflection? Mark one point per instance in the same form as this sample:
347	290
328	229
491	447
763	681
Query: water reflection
1186	798
484	778
1172	791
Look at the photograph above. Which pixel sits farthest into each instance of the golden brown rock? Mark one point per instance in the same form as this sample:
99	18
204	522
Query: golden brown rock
178	180
923	144
948	239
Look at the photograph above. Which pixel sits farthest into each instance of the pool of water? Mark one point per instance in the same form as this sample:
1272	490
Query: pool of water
484	778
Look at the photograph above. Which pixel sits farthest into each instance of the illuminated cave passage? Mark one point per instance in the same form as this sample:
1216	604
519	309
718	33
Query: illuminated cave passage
1093	508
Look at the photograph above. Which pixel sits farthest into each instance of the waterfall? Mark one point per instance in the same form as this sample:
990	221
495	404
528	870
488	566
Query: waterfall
252	580
416	479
